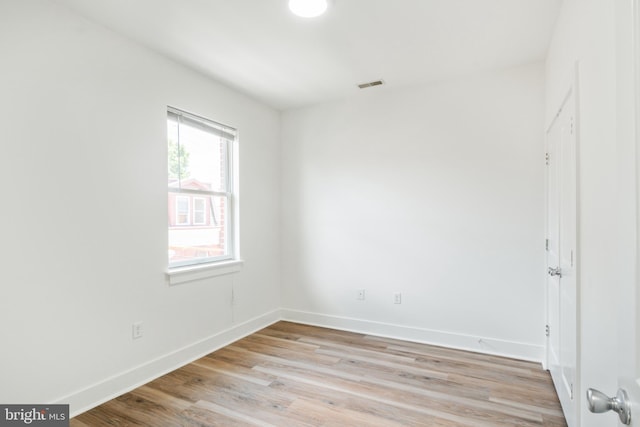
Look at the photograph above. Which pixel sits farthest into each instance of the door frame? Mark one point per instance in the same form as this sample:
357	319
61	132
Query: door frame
572	86
628	146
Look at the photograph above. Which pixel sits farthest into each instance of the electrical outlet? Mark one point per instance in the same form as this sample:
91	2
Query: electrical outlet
360	294
397	298
136	330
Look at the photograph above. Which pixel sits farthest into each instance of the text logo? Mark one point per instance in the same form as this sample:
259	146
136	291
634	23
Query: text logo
34	415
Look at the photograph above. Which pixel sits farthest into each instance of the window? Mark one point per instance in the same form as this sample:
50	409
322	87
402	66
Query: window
200	190
182	210
199	211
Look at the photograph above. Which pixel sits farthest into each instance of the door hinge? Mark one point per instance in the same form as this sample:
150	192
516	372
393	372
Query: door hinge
547	330
571	391
546	245
546	158
571	125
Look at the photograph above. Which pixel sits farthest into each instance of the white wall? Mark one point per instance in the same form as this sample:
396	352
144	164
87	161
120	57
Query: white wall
585	32
436	192
84	220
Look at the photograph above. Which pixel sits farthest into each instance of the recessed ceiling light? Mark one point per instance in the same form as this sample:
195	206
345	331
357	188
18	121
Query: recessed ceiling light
308	8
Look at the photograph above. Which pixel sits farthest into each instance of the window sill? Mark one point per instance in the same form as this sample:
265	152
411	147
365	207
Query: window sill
180	275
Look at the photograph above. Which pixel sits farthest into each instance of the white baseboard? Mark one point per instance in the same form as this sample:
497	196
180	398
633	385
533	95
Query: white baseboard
103	391
516	350
96	394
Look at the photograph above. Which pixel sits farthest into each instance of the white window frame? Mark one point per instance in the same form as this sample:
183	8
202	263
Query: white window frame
229	262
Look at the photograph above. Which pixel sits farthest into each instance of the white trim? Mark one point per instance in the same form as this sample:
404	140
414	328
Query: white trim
114	386
103	391
485	345
191	273
227	136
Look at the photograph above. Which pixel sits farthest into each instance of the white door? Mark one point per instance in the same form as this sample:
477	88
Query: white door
624	365
628	36
561	255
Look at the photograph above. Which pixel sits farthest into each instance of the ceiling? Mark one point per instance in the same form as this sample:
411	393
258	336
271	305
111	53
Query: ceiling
259	48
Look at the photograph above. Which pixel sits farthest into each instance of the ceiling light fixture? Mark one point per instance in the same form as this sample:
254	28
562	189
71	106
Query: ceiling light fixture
308	8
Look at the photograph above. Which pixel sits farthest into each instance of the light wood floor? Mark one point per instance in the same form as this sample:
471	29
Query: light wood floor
296	375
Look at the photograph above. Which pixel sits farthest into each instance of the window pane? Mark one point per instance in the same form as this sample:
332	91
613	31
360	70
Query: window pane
182	210
199	241
199	211
197	158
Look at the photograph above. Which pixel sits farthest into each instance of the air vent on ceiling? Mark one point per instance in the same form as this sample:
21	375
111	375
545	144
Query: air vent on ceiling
370	84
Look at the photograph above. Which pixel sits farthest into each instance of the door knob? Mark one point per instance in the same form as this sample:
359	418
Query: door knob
555	272
600	402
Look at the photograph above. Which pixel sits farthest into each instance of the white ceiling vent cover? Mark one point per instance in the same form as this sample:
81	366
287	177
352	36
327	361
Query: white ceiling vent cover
371	84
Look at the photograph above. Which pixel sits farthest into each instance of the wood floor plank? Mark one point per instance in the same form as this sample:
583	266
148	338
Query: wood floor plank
207	417
339	400
425	401
240	372
445	351
328	415
300	375
447	386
